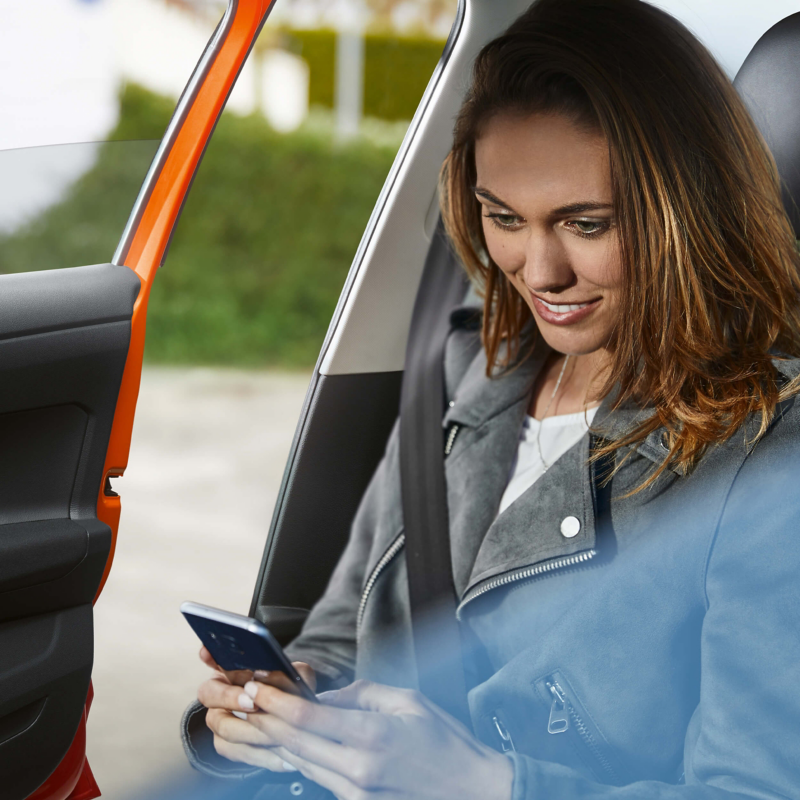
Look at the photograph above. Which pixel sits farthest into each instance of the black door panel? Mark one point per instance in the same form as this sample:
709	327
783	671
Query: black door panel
46	444
36	586
33	553
64	338
45	667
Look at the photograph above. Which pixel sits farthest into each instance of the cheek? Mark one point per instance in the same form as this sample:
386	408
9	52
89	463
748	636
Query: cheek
600	264
504	249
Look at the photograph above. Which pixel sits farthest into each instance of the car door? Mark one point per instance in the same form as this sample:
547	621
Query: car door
71	346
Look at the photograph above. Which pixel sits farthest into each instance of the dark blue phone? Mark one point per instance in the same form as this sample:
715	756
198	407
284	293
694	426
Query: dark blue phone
238	642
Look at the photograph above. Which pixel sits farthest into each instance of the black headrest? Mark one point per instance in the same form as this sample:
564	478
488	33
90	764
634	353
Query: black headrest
769	84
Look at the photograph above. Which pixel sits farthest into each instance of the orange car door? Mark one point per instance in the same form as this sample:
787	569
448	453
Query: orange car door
71	345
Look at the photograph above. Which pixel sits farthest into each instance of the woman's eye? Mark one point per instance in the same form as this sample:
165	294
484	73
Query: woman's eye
504	220
585	227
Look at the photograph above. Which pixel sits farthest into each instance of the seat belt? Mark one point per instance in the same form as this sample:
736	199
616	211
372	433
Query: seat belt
432	595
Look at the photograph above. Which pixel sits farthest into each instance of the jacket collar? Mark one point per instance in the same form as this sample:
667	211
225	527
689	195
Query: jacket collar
479	398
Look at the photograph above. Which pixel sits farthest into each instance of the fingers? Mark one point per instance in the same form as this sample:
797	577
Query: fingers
353	727
207	658
313	748
339	785
237	677
280	680
241	741
234	730
369	696
248	754
389	700
218	693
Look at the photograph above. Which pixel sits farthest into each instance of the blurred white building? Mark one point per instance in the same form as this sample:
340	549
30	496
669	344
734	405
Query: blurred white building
58	72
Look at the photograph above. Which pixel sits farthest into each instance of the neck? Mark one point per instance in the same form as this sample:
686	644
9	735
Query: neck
580	385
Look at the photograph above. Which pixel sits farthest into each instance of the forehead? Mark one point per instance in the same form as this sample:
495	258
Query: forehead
540	161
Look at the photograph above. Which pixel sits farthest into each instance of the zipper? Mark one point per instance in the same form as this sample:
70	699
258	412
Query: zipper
566	715
529	573
451	438
394	548
506	742
559	717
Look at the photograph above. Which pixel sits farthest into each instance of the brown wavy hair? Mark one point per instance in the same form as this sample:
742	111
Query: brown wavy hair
710	263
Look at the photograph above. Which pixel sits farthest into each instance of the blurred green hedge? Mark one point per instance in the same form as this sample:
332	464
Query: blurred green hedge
261	250
396	69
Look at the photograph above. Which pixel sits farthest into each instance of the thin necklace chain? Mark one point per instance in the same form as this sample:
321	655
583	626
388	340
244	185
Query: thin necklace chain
544	415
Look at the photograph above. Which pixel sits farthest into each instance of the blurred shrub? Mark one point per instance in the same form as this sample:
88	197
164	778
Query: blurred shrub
396	69
262	248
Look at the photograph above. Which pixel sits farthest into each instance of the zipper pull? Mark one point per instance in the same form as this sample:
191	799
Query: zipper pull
559	718
506	742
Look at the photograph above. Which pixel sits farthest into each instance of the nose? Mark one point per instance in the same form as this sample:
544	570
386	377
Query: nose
547	266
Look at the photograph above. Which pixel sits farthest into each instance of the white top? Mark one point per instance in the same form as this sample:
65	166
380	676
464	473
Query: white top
558	434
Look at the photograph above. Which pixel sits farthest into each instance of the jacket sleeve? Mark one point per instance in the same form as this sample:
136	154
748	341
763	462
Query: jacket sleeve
328	639
743	740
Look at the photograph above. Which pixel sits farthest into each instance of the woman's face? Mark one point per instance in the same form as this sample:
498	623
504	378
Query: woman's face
544	185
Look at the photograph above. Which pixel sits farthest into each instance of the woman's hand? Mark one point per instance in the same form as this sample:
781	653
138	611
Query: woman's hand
373	741
233	734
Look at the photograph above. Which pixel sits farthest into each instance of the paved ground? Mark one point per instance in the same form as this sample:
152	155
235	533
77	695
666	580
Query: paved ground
208	453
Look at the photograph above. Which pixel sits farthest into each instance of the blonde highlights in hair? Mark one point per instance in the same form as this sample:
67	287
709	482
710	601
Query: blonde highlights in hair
710	264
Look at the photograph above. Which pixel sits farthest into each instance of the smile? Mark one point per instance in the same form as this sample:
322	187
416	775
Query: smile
563	313
562	309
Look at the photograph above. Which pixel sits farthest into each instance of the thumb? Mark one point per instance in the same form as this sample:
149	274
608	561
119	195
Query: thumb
369	696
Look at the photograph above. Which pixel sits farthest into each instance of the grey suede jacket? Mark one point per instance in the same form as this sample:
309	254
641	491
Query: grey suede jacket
657	656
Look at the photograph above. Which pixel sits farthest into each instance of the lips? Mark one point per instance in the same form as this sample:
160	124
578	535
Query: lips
563	313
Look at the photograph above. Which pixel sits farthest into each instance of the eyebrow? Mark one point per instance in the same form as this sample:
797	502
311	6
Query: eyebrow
570	208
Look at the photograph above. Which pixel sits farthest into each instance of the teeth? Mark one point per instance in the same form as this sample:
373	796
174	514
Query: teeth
562	309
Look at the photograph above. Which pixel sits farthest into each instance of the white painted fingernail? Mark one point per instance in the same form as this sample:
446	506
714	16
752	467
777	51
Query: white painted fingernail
240	715
261	674
288	767
251	689
245	702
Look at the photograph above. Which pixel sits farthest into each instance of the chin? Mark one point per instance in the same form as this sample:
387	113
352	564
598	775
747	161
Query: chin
571	345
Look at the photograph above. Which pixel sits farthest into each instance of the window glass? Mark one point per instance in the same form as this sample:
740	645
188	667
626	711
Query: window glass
64	194
66	205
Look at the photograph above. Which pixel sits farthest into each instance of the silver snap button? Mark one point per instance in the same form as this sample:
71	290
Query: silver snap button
296	788
570	526
451	403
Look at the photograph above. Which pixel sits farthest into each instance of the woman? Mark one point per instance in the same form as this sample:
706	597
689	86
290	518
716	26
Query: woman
613	201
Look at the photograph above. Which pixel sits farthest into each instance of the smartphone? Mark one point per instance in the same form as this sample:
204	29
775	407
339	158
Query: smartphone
238	642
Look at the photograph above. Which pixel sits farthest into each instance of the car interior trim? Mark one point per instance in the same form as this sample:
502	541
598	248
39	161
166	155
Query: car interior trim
185	103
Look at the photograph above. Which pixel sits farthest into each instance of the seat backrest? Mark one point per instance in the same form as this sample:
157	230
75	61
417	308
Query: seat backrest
769	83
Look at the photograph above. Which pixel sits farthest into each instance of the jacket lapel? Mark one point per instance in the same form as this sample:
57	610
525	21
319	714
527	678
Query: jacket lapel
533	528
489	414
